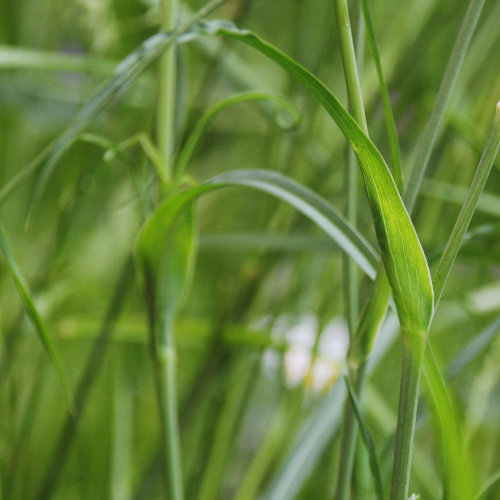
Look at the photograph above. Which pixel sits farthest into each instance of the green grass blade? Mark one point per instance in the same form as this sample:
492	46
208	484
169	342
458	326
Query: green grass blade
488	203
401	252
429	136
478	345
312	206
187	151
93	366
31	59
459	471
302	199
33	313
492	481
463	220
392	133
367	440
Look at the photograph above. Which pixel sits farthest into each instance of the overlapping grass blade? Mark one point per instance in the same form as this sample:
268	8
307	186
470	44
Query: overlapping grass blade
433	126
401	252
301	198
367	440
187	151
490	484
312	206
488	203
477	346
32	312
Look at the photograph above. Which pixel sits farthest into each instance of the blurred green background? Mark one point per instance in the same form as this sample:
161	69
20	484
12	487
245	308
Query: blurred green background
266	283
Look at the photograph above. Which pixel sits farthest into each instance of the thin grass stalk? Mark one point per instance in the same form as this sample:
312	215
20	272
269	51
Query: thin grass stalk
167	78
429	136
413	354
467	211
163	351
351	291
163	355
392	132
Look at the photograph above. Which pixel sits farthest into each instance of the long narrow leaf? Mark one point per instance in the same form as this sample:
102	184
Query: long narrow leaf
32	311
193	139
386	102
401	252
367	439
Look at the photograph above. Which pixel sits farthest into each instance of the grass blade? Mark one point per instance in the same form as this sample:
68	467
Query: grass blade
187	151
428	138
33	313
458	465
302	199
24	58
463	220
367	440
312	206
474	348
386	102
401	252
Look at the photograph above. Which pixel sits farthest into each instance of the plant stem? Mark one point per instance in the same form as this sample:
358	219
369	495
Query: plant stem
413	353
392	132
167	91
351	292
349	437
376	306
164	367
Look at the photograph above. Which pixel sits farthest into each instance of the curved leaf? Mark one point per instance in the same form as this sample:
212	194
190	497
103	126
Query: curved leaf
402	254
193	139
32	312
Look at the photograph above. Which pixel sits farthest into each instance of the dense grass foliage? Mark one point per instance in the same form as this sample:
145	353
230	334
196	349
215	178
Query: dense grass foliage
249	249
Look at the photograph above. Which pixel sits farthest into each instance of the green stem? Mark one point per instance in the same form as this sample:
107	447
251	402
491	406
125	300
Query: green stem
351	292
164	367
413	353
167	92
349	437
386	102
